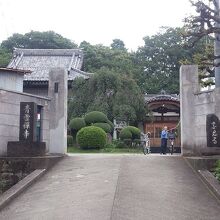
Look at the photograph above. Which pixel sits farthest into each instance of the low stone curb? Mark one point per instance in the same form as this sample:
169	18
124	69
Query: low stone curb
18	188
212	183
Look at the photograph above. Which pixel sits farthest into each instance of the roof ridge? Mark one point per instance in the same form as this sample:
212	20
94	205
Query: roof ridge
47	52
82	72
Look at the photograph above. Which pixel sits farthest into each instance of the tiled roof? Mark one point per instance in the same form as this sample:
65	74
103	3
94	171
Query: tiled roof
40	61
152	98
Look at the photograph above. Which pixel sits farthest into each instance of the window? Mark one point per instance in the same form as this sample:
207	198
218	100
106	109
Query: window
56	87
38	123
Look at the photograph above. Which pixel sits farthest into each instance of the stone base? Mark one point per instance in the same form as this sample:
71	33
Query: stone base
188	151
203	162
26	149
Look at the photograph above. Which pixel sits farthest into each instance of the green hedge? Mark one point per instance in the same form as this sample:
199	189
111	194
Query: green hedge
105	126
76	124
95	117
130	132
136	133
111	125
91	137
69	141
125	134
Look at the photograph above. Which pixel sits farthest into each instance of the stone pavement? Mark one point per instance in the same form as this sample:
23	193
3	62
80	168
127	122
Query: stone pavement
116	187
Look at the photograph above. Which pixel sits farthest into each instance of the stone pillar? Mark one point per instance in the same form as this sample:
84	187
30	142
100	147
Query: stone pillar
217	101
217	48
188	87
57	91
115	131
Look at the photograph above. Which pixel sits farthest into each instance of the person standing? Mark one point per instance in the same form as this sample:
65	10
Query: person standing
164	137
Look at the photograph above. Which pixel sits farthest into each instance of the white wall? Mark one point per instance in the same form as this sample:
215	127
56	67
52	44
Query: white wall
11	81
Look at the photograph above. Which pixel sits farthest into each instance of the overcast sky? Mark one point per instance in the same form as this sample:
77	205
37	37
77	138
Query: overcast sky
96	21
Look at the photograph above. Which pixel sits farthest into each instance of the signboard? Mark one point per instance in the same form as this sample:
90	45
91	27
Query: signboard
212	130
28	114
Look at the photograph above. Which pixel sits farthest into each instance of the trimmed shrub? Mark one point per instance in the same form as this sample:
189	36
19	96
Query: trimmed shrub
125	134
136	133
76	124
111	125
69	141
95	117
130	135
91	137
105	126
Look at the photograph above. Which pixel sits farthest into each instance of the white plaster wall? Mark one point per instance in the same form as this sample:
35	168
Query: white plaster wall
11	81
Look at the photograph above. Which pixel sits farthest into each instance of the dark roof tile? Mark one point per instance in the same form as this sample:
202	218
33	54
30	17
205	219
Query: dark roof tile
40	61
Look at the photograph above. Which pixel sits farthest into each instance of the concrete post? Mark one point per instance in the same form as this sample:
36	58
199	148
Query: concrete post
115	131
57	91
188	87
217	101
217	48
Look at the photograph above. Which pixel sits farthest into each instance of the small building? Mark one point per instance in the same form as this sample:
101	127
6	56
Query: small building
12	79
41	61
164	110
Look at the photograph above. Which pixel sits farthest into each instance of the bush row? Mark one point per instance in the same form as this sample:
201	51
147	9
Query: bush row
91	130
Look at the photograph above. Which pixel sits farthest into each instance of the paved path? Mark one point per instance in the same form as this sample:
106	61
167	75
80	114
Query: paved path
116	187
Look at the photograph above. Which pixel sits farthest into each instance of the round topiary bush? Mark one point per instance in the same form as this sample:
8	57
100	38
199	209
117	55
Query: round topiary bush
136	133
91	137
105	126
76	124
111	125
125	134
95	117
69	141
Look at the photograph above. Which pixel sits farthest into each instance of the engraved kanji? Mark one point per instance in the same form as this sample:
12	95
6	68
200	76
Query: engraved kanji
26	125
27	109
26	134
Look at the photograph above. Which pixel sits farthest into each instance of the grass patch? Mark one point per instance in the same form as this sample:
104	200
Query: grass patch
104	150
217	170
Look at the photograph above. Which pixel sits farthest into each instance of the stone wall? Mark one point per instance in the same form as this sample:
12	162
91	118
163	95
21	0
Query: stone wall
195	105
10	116
39	91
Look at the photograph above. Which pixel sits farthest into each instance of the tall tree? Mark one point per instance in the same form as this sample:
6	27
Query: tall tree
203	25
118	44
38	40
5	57
160	59
33	40
99	56
115	95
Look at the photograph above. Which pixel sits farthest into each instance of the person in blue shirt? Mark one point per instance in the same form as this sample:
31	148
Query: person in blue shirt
164	137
